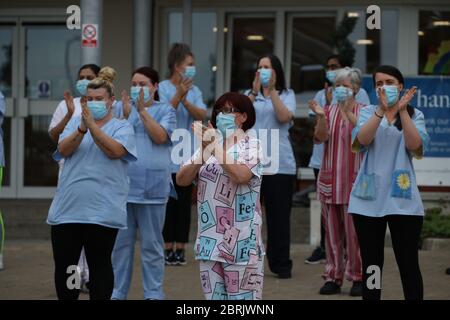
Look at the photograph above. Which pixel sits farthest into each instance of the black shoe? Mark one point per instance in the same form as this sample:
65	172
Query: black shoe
318	256
169	257
448	271
329	288
284	275
179	257
357	289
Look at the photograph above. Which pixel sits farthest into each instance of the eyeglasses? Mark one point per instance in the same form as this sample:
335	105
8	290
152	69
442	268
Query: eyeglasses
227	110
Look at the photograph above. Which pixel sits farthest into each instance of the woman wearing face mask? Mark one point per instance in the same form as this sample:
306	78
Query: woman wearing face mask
90	201
179	90
385	191
150	179
227	172
337	173
325	97
275	108
71	107
68	108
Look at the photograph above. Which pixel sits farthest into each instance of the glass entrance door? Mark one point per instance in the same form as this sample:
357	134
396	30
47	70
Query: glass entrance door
46	58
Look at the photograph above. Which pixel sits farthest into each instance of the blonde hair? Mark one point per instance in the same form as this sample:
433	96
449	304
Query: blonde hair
104	80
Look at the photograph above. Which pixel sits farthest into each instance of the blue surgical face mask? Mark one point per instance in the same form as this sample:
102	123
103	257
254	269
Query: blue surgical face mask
189	72
264	76
391	92
331	75
342	93
98	109
82	86
225	124
136	90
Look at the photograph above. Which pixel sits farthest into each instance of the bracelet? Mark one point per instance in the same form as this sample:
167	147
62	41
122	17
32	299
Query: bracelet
81	131
381	117
253	94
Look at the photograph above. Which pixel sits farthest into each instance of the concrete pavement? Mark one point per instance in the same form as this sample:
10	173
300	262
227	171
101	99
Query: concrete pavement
28	274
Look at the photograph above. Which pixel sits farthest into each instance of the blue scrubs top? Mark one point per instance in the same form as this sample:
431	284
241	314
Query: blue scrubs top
266	119
150	176
93	188
396	190
2	115
167	90
317	154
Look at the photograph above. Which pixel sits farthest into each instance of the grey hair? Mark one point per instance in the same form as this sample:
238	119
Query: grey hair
354	74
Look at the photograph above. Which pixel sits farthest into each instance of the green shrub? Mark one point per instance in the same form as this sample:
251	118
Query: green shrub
435	224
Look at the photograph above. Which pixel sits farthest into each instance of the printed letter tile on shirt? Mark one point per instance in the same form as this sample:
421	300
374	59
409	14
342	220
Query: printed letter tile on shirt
225	190
206	216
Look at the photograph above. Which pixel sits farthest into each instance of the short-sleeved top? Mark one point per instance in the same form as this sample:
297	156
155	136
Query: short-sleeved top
93	188
266	119
2	115
167	90
317	154
385	155
229	214
150	177
340	165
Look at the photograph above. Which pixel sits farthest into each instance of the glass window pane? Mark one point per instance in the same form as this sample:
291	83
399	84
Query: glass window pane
38	153
203	31
6	33
434	42
252	37
52	60
310	48
6	127
372	50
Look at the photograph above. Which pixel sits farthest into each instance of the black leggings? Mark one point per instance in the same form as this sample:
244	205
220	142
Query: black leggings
178	215
405	234
98	242
277	191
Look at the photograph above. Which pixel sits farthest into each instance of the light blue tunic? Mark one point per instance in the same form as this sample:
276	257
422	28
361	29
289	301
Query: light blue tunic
2	115
150	176
386	154
317	154
166	91
93	188
266	119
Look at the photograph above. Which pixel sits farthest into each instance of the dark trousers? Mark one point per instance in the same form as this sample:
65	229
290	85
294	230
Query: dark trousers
178	215
322	227
405	234
277	191
98	242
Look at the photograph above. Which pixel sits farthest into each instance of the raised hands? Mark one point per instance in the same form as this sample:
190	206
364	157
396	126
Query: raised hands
69	103
126	104
87	121
141	104
184	86
316	108
272	81
382	99
256	86
406	98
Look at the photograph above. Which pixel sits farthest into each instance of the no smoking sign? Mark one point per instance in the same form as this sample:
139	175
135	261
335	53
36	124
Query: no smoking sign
89	35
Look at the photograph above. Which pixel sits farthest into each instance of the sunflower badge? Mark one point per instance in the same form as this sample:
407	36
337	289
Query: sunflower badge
401	184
